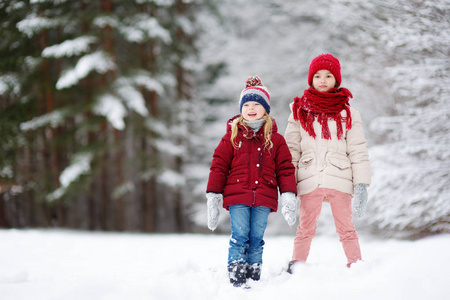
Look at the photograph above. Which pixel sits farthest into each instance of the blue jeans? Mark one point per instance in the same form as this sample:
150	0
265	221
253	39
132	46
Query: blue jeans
247	231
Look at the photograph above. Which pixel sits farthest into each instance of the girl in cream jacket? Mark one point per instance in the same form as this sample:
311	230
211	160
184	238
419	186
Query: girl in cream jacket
326	140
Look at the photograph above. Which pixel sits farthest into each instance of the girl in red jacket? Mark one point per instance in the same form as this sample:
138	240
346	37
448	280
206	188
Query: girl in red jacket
251	161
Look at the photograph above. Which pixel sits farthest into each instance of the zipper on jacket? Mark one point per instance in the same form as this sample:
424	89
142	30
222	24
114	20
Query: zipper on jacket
254	198
238	148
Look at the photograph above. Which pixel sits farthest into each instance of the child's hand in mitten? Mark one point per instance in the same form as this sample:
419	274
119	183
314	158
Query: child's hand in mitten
212	203
360	200
289	204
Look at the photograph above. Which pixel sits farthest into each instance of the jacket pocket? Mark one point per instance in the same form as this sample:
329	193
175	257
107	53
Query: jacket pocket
271	181
341	162
236	179
306	160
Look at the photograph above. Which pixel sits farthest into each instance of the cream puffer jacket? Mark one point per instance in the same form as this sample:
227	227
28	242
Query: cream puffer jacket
334	164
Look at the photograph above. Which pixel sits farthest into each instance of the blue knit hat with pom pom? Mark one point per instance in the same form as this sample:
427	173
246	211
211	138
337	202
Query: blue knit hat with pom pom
255	91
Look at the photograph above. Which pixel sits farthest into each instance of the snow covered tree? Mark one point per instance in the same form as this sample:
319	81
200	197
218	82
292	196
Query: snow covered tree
106	86
411	150
20	72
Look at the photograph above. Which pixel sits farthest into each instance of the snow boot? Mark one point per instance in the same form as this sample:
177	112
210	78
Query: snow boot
254	272
294	264
291	266
349	265
238	274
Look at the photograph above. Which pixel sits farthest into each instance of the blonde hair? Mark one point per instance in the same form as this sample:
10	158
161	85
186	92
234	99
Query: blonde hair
267	131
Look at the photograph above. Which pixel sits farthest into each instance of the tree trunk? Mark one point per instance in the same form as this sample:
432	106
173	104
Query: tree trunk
49	162
181	95
149	153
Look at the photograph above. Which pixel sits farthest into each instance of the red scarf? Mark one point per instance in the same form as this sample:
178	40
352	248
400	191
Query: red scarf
326	106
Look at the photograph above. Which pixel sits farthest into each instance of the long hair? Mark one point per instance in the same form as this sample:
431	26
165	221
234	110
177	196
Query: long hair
267	131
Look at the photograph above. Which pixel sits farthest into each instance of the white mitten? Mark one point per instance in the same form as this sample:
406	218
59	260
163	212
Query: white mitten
289	205
360	200
212	203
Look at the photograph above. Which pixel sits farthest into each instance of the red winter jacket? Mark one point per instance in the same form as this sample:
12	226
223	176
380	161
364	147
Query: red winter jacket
250	174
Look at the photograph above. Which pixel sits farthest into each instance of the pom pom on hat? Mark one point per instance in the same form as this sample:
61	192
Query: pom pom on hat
255	91
253	81
325	62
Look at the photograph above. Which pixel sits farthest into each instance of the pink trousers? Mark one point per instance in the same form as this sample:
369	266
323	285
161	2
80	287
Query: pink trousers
310	207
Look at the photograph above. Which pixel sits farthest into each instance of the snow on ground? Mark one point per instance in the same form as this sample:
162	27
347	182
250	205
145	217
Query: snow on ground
53	264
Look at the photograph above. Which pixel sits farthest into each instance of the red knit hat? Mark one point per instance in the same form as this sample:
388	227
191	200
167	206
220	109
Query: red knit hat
325	62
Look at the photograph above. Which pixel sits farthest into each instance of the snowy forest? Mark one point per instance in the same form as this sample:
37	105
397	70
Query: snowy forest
111	109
